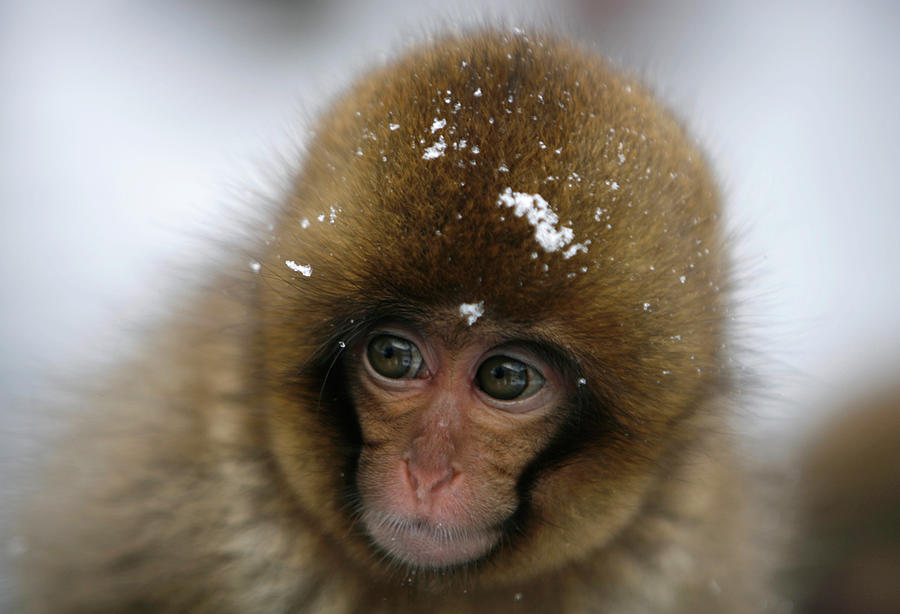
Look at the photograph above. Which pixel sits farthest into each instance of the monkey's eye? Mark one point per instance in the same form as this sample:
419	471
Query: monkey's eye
394	357
505	378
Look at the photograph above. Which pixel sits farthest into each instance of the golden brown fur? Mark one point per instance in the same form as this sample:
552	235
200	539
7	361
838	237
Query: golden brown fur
219	473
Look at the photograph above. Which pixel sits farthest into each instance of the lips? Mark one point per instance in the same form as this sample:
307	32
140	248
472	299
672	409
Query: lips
429	544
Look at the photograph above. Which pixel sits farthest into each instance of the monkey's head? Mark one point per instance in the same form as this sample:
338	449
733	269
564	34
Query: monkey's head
491	308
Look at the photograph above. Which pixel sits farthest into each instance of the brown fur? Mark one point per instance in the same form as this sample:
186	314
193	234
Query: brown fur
219	472
847	549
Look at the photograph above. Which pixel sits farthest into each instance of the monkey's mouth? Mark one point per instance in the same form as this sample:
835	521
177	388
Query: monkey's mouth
426	544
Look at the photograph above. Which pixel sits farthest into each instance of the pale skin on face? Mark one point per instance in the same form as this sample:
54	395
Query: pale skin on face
428	505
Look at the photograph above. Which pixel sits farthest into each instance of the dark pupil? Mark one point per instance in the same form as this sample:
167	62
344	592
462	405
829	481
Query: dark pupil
503	378
390	356
401	360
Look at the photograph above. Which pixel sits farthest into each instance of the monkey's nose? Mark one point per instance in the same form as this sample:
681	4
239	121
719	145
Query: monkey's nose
427	482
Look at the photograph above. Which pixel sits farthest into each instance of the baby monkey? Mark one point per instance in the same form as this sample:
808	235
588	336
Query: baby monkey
478	366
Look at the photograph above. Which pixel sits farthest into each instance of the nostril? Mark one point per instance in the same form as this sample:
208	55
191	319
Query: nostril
426	481
411	478
442	479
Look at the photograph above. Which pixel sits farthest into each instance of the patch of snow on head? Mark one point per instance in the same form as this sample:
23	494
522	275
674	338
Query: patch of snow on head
437	125
471	311
303	269
538	213
436	150
575	248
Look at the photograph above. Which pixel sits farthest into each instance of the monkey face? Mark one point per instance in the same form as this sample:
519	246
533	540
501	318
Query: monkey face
437	474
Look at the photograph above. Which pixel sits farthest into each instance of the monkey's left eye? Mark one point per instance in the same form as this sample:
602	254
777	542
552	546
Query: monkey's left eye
394	357
505	378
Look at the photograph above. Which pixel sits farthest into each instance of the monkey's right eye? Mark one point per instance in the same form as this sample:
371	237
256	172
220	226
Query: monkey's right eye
394	357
